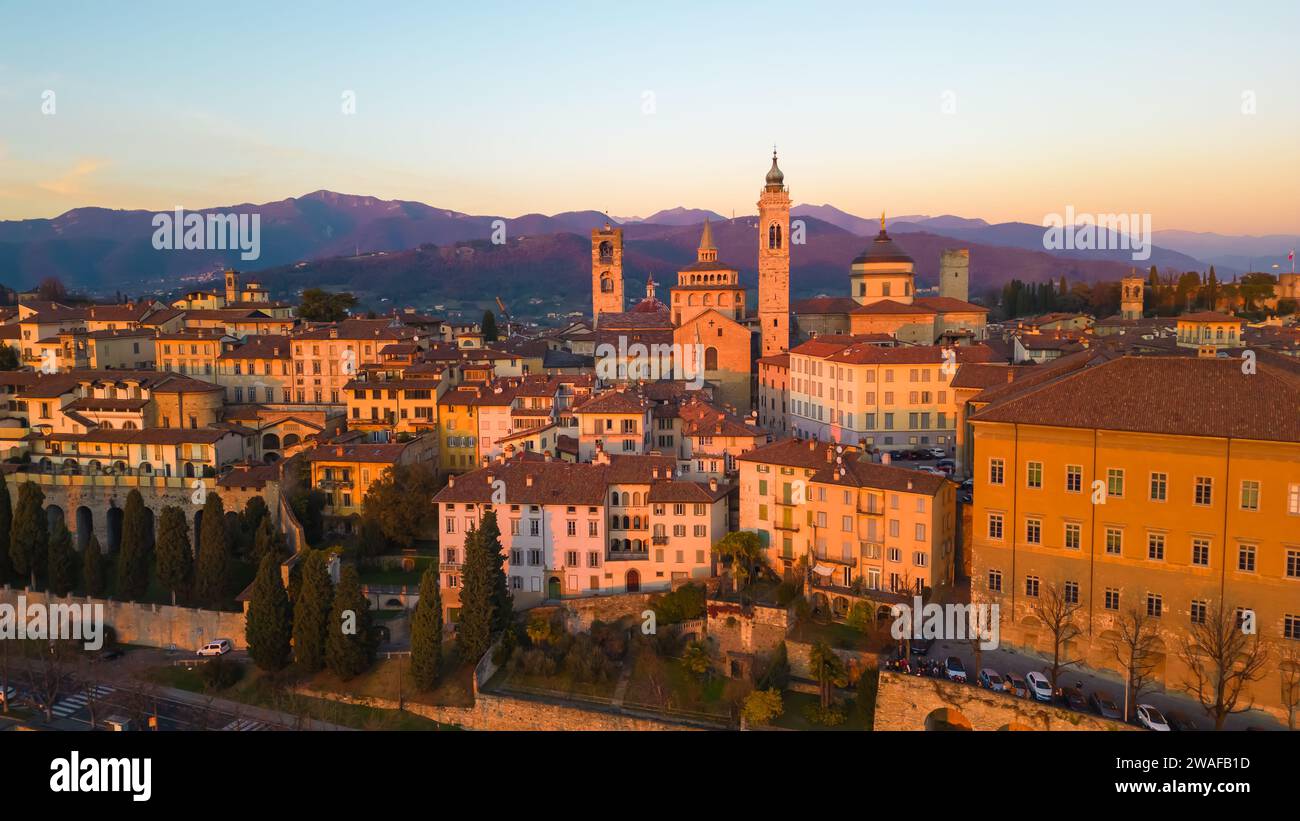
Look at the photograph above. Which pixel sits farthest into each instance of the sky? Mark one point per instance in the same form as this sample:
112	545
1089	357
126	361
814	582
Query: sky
1188	112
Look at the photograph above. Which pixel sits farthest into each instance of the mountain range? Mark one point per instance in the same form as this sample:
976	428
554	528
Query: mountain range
408	252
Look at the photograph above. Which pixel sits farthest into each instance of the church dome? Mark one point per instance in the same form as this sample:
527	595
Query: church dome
775	176
882	249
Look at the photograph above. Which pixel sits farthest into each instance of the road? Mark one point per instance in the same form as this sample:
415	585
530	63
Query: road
1005	660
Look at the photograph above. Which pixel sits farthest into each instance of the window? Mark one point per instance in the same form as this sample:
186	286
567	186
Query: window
1155	605
1293	564
1249	494
1156	546
1198	611
1034	474
1112	598
1201	552
1204	491
1246	558
1159	487
1034	531
1031	586
1073	478
1073	535
1071	592
1291	627
1114	541
1292	499
995	581
995	525
996	471
1115	482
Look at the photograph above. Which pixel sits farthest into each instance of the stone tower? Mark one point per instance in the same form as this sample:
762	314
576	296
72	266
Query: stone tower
954	273
774	262
606	272
232	287
1130	297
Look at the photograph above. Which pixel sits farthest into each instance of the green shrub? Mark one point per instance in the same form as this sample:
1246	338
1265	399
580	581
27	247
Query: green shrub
218	674
832	716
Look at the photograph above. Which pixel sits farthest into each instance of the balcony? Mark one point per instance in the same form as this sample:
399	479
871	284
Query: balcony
791	527
836	558
332	484
626	555
660	540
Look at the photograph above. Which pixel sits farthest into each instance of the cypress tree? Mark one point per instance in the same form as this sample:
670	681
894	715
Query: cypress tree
92	568
426	631
477	608
29	535
502	604
133	558
311	612
7	574
269	626
350	647
63	564
212	572
269	540
173	554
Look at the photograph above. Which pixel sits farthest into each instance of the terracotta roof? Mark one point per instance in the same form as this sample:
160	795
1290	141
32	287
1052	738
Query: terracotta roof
148	436
863	473
986	374
1167	395
386	453
779	360
250	476
804	453
864	354
265	346
890	306
825	305
612	401
111	405
1208	316
947	304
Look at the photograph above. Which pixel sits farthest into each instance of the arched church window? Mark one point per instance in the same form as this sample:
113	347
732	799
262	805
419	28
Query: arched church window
606	284
774	236
711	359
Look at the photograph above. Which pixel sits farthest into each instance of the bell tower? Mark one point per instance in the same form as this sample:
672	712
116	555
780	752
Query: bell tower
232	287
1130	302
774	262
606	272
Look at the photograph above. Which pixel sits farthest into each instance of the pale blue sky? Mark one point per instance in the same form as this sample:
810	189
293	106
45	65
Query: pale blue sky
508	108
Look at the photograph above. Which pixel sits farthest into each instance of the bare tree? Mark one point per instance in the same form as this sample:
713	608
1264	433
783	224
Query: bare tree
1054	609
47	677
1221	659
1135	650
1289	673
4	676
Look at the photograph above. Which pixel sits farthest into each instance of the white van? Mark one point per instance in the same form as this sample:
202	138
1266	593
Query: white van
218	647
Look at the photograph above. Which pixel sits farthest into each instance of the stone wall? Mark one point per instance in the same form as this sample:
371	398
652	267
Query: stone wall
494	711
153	625
744	630
799	654
580	614
906	702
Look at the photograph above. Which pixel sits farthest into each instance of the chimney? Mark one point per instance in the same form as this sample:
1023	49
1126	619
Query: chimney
909	484
528	480
451	480
490	477
830	453
713	483
654	473
812	445
885	457
1011	375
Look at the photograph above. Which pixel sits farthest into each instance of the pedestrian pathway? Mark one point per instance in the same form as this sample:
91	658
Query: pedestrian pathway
245	725
75	703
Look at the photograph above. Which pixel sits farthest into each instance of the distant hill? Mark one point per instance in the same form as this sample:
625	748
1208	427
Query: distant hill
406	251
552	273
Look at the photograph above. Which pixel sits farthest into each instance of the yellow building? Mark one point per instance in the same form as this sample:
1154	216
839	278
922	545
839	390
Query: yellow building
859	526
1209	328
1162	485
458	429
344	471
888	398
191	352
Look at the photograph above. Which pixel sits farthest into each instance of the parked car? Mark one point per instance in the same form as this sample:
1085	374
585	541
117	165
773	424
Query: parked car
930	470
218	647
966	497
968	484
954	669
990	679
938	453
1179	722
107	654
950	463
1015	685
1105	706
1151	718
1039	687
921	647
1073	698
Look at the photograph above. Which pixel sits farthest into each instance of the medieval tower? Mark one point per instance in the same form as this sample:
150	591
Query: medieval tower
606	272
774	262
954	273
1130	304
